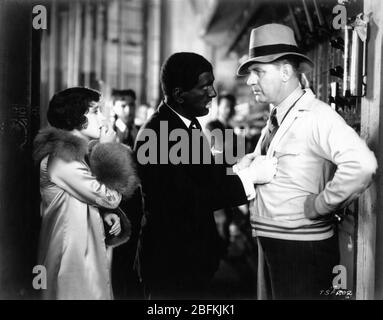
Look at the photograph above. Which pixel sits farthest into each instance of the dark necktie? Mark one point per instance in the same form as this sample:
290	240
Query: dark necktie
270	133
204	147
194	124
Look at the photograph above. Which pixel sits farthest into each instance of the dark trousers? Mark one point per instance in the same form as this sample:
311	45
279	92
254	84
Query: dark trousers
300	269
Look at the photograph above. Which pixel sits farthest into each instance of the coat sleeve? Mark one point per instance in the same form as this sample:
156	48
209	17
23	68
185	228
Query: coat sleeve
173	186
228	189
337	142
75	178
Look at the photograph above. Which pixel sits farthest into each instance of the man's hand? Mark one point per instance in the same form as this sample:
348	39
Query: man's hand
309	207
245	161
107	135
262	170
113	221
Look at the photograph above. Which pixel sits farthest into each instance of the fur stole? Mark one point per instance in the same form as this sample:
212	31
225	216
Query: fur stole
112	164
59	143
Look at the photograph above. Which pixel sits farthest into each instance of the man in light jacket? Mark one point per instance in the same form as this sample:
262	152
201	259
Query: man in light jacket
322	166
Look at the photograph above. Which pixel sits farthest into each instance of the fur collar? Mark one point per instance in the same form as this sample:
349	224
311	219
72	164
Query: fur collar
112	164
59	143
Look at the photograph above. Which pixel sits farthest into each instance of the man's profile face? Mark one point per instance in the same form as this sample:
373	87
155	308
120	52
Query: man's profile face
265	80
197	100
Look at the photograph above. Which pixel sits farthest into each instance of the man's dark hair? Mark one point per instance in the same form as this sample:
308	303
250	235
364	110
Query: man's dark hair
231	98
181	70
67	108
293	60
124	92
215	124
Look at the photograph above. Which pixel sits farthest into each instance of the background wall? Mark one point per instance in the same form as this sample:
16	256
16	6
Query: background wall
19	121
370	237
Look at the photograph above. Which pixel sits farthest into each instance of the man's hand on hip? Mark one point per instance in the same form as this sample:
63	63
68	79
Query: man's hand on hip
309	207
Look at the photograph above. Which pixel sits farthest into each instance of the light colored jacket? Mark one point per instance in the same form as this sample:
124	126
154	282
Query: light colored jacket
318	153
72	247
72	237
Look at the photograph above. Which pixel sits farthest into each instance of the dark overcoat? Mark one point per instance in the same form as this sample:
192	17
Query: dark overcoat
179	243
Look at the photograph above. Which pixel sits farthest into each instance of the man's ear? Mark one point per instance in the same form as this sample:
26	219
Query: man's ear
177	95
287	71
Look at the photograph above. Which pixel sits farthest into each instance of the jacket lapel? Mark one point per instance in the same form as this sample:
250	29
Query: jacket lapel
296	112
174	122
257	150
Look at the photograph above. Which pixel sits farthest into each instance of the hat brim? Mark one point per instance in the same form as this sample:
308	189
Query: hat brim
305	64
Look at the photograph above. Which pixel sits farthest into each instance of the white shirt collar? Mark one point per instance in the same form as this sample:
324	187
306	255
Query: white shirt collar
185	120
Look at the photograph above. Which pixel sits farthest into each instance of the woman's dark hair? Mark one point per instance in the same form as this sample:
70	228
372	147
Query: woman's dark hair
67	108
181	70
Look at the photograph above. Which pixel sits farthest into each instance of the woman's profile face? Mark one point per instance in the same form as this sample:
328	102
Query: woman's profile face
95	121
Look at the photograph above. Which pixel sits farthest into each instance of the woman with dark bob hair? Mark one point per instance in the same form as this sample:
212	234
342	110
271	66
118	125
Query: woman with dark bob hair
74	185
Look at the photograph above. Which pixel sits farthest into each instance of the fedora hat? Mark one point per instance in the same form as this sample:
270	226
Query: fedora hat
271	42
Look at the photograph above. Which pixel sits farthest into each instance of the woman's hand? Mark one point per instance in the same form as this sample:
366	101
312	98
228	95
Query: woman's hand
113	221
107	135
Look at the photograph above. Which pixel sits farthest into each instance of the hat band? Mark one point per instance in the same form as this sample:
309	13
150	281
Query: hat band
272	49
